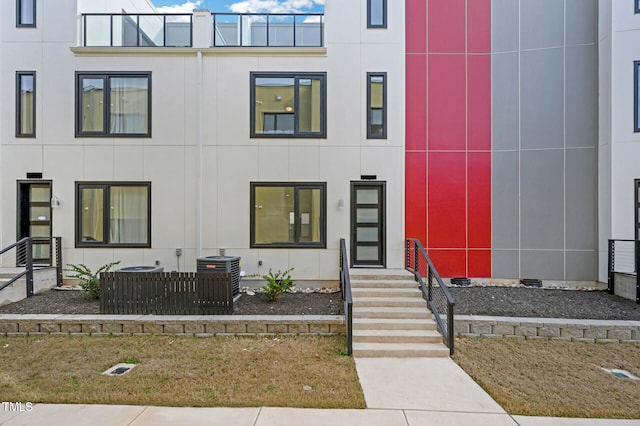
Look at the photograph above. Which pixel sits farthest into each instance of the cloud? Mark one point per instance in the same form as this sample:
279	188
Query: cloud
186	7
274	6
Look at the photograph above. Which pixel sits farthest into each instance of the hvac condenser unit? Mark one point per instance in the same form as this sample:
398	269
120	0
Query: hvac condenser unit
222	264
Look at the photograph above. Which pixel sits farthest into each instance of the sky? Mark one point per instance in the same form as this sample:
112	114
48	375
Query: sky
240	6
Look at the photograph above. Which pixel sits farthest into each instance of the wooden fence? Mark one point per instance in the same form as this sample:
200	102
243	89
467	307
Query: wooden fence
166	293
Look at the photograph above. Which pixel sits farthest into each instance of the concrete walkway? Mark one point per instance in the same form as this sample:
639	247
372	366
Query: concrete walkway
402	392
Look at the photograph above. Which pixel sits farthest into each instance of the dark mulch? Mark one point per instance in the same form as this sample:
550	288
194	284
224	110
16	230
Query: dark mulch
543	303
73	302
492	301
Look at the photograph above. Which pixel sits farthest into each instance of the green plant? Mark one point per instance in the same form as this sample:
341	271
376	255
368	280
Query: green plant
89	281
278	283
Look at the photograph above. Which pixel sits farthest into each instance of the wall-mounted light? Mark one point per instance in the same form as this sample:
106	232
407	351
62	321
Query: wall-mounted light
289	109
341	203
278	98
55	202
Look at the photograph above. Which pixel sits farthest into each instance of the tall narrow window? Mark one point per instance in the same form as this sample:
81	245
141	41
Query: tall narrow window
288	105
26	13
376	105
636	96
116	214
637	209
376	13
637	6
26	104
288	215
113	105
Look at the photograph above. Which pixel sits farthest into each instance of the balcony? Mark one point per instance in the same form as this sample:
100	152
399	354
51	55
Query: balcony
268	30
140	30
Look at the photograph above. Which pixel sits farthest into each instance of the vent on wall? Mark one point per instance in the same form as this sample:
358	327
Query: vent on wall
34	175
368	177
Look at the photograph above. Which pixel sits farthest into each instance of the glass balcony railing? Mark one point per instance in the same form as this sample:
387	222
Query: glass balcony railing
268	30
139	30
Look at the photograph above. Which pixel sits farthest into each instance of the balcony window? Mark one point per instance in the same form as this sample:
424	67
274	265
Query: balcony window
377	105
113	214
113	105
288	215
26	13
26	104
288	105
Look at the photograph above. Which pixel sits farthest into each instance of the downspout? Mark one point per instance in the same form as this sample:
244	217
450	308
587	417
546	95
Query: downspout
200	186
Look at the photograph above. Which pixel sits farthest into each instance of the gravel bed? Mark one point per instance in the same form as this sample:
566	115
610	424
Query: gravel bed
491	301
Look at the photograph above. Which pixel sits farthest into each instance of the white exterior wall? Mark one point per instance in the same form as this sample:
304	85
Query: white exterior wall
200	126
619	144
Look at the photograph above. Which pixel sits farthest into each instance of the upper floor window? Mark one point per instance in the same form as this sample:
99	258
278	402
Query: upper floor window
637	6
288	214
113	104
636	96
291	105
113	214
26	104
376	13
376	105
26	13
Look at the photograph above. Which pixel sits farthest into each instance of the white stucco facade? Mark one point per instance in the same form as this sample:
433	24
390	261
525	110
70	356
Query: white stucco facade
200	158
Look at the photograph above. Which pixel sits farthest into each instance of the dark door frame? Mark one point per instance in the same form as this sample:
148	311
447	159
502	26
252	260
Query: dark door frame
382	223
23	206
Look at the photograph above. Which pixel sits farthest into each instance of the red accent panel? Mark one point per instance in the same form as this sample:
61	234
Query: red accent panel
449	263
479	103
416	26
479	263
416	111
416	196
446	197
479	26
447	102
446	26
479	202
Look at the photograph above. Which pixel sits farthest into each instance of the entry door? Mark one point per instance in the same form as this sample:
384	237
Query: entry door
368	224
34	217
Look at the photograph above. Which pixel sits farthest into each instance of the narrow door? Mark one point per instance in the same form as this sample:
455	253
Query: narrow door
368	224
34	217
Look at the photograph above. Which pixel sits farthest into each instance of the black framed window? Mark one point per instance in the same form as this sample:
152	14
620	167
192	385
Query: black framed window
26	13
26	104
113	214
637	209
637	4
636	96
288	214
376	13
376	105
113	104
291	105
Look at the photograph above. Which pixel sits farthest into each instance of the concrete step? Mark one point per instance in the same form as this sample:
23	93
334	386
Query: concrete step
400	350
385	292
391	302
398	313
393	324
396	336
379	274
383	284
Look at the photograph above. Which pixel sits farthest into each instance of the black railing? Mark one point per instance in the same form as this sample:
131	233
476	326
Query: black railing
439	300
268	30
137	30
624	258
345	288
17	260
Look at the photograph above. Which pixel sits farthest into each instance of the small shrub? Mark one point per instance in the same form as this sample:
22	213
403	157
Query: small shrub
278	283
89	281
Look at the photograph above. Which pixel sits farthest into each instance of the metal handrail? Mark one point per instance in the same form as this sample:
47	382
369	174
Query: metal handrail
139	31
412	264
613	268
345	288
25	247
218	37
